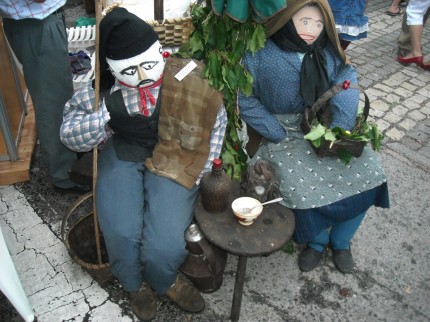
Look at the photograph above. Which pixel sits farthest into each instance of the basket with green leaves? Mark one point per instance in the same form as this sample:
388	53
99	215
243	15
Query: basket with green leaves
336	141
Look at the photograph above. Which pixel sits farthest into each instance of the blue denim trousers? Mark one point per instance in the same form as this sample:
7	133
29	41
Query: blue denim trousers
339	236
143	218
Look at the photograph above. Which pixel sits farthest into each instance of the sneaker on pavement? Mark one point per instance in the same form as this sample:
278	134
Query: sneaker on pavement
143	303
186	296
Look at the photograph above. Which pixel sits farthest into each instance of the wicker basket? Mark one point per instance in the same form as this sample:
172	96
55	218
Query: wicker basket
173	31
80	241
328	148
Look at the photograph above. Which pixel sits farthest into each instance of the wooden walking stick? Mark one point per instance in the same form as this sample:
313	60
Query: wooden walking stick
99	8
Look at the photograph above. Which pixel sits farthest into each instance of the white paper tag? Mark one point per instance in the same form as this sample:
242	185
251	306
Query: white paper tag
185	71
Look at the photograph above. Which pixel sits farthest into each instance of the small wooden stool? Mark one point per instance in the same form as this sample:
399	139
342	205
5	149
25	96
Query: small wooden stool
269	233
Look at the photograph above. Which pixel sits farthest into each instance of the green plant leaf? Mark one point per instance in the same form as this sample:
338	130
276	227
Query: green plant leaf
316	132
221	42
377	138
329	136
344	156
258	39
214	71
289	247
317	142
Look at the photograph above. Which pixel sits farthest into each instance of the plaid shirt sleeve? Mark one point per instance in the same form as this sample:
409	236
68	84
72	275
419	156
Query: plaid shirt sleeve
83	128
23	9
216	141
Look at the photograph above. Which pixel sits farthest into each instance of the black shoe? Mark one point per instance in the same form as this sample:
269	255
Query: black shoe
186	296
77	188
143	303
343	260
309	259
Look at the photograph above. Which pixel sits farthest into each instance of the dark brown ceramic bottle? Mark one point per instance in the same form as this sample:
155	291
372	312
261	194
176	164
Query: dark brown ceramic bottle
215	188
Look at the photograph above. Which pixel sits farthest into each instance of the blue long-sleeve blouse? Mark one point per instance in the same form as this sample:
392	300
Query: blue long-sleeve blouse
276	90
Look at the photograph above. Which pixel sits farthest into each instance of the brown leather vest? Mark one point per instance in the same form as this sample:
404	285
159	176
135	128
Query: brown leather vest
187	117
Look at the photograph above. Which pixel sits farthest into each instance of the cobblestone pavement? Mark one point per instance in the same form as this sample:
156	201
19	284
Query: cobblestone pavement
391	249
400	95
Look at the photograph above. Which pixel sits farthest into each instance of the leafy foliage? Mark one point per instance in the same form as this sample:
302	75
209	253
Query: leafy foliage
289	247
220	42
363	132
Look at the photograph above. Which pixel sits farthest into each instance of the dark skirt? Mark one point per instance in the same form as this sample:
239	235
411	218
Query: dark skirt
310	222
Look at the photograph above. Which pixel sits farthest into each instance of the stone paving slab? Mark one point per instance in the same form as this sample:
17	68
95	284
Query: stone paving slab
390	282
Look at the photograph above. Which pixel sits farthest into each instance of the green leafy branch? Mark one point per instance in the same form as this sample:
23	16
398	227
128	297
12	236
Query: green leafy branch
363	131
221	42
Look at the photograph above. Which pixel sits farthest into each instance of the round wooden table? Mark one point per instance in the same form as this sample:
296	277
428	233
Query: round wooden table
269	233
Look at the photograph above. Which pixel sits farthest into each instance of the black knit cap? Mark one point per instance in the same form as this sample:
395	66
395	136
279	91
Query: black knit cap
122	35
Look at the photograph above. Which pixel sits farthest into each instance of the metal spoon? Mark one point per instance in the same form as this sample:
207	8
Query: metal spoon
246	211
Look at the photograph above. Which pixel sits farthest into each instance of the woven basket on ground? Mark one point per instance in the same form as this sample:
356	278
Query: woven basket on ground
80	241
328	148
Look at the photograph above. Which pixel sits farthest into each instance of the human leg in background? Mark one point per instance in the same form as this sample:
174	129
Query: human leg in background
394	9
340	239
350	29
404	39
417	14
41	47
416	32
344	43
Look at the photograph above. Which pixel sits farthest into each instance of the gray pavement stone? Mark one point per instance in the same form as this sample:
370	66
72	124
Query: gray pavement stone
380	106
400	110
392	117
411	143
382	124
416	115
394	134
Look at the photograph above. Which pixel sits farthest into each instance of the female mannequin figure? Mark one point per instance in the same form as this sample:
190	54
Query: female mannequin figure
301	60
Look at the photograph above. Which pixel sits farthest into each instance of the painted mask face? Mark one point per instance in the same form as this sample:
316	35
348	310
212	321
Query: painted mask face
309	23
141	70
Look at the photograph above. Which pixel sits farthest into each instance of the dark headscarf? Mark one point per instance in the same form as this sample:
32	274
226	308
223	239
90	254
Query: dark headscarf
313	74
281	18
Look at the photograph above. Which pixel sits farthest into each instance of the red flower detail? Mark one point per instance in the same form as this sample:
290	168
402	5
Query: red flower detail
346	84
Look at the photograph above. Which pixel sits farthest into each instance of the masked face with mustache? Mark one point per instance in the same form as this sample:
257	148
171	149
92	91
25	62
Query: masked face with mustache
142	70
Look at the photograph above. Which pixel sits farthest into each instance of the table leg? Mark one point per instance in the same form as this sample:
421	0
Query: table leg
238	288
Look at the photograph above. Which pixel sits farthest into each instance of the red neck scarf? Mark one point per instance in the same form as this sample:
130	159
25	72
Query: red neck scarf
145	94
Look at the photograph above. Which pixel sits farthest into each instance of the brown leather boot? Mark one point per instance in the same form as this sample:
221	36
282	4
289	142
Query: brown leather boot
186	296
143	303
